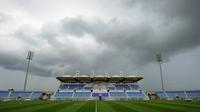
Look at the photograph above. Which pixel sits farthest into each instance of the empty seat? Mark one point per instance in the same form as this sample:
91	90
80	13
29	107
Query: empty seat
135	87
118	94
194	94
87	88
136	95
63	86
22	94
121	87
35	94
63	95
4	94
82	95
174	94
99	94
111	88
76	86
162	95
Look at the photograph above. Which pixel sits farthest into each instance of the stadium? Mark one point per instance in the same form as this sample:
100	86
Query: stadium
85	87
100	87
99	55
99	93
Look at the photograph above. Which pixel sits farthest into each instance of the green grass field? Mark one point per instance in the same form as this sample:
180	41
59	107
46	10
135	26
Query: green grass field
99	106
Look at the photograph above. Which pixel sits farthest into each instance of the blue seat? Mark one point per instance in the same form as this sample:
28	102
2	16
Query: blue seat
118	94
82	95
63	95
111	88
64	86
121	87
174	94
194	94
76	86
161	94
87	88
99	94
22	94
4	94
136	95
35	94
135	87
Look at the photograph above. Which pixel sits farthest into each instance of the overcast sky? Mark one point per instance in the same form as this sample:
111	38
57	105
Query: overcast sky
102	36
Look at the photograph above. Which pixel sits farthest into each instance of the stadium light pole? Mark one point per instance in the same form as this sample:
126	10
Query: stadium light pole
159	60
29	57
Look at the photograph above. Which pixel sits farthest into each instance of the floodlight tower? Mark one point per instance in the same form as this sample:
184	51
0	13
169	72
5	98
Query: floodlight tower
122	73
92	74
29	57
159	60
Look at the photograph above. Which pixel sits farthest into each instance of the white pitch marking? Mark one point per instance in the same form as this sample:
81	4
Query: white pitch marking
96	106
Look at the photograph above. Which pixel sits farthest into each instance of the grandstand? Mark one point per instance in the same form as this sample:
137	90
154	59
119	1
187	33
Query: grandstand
98	87
81	94
22	95
171	95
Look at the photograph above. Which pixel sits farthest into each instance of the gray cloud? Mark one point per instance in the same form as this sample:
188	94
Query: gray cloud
4	18
94	44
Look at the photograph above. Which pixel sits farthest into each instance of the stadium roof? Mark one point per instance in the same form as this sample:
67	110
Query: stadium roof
99	78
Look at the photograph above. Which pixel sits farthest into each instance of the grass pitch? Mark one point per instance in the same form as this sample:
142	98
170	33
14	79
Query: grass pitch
99	106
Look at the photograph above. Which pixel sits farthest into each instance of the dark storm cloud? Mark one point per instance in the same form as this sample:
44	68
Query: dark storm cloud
10	61
15	62
169	39
82	44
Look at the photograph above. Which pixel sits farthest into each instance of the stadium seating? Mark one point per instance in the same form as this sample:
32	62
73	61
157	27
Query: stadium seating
87	88
136	95
194	94
63	86
116	91
111	88
121	87
35	94
99	94
104	94
63	95
76	86
175	94
82	86
82	95
72	86
134	87
162	95
21	94
3	94
117	95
